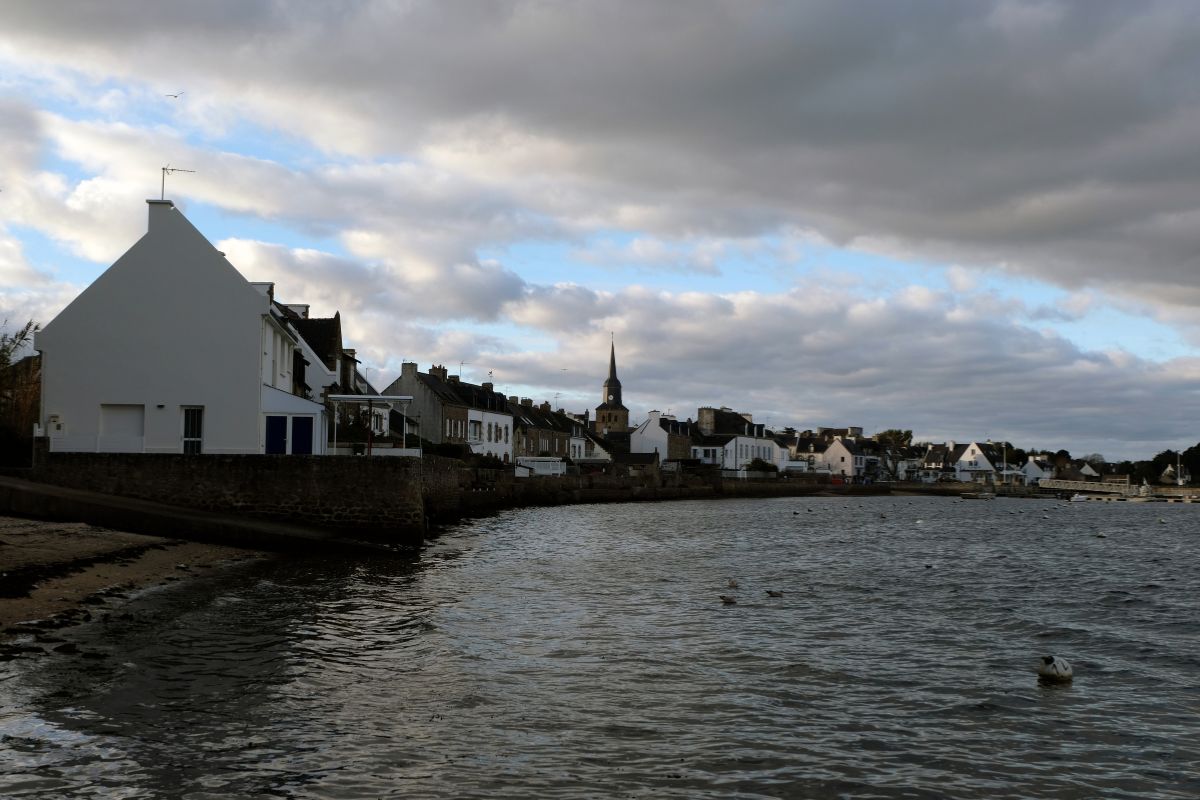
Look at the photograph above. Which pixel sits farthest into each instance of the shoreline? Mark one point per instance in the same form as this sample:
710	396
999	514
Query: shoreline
53	573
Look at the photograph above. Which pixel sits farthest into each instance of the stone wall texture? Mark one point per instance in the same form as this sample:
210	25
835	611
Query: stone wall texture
393	499
380	497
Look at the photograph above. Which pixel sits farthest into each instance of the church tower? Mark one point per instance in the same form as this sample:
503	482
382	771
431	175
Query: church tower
611	415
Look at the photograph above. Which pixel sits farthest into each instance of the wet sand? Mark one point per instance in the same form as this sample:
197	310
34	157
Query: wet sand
52	572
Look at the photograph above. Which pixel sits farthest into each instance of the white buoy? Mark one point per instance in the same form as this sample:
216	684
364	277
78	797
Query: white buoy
1055	669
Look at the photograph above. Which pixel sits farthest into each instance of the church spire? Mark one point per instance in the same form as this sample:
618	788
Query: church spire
611	415
612	386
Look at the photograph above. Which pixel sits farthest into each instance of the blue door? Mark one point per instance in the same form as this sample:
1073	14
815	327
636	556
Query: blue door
302	436
276	435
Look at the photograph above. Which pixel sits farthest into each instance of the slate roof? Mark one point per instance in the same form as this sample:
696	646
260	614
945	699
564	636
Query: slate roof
323	334
712	439
480	397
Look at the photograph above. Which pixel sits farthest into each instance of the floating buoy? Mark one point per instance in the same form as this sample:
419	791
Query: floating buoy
1055	669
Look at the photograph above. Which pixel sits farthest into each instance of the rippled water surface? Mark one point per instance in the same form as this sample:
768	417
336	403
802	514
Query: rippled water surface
583	652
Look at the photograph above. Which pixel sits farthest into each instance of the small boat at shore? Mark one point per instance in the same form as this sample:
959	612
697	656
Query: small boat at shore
1078	498
978	495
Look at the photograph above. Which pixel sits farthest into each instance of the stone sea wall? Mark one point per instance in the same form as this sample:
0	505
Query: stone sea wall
394	499
380	496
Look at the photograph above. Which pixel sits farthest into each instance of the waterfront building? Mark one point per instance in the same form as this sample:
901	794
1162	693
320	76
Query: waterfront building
731	439
541	432
448	410
172	350
663	434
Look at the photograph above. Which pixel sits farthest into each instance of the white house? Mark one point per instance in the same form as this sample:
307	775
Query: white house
977	462
1036	470
747	440
171	350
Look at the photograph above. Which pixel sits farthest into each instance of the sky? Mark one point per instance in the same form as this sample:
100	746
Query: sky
971	220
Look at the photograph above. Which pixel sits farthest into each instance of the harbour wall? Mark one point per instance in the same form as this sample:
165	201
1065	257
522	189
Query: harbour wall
356	496
390	499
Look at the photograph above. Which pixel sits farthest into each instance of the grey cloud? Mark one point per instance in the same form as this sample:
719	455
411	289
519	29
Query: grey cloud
331	283
1055	139
838	361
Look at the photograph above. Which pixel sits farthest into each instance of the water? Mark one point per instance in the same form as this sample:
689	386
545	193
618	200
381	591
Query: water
582	652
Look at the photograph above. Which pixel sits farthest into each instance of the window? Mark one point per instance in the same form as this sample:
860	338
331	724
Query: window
193	431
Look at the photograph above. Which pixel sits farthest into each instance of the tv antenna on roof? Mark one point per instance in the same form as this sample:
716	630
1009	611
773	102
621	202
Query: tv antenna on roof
172	170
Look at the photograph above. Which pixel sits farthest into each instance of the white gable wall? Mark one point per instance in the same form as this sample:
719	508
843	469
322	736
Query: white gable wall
649	437
170	325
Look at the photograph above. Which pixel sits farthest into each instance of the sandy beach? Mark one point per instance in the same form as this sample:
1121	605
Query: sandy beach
51	573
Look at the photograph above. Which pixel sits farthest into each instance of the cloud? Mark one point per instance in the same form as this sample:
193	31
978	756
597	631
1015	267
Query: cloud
1049	140
1055	138
818	357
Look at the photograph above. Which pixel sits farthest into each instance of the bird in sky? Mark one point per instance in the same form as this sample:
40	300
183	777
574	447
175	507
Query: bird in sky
176	95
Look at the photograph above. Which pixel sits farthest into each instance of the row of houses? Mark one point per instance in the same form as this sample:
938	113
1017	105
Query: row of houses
172	350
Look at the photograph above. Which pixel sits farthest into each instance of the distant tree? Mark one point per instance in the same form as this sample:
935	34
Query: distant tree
1062	458
1191	460
758	465
1096	460
13	343
893	437
1160	464
20	389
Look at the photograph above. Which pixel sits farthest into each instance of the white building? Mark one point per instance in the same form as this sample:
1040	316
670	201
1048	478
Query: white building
171	350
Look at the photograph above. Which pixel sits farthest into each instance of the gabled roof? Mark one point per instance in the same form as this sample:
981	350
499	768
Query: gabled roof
540	418
440	389
674	427
323	334
478	397
712	439
726	421
938	455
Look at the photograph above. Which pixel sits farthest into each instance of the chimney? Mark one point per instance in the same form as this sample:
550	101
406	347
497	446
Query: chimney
516	401
347	376
159	209
487	387
437	371
545	406
408	369
265	288
527	402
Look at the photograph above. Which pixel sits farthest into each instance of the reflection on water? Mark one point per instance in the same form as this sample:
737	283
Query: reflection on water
583	652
